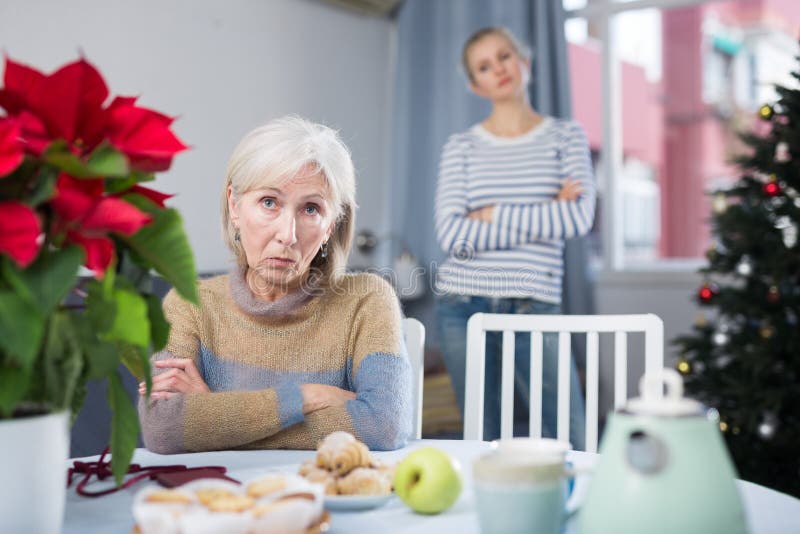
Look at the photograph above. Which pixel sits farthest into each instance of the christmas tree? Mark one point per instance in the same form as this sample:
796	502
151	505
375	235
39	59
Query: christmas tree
743	359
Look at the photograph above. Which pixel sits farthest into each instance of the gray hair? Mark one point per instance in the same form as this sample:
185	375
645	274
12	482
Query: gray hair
273	154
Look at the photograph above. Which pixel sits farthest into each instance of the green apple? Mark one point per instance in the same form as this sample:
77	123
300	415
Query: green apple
428	480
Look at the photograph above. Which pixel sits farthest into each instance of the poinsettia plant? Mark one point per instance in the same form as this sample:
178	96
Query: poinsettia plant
79	237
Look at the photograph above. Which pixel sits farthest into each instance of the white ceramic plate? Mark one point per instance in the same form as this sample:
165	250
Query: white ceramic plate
352	503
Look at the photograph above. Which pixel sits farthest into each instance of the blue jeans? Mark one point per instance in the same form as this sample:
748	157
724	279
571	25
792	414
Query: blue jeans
453	311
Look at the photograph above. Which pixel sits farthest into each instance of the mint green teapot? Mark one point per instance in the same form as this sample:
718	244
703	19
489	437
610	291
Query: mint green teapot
663	468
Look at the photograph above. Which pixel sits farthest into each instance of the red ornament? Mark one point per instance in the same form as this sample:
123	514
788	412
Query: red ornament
773	295
707	292
771	189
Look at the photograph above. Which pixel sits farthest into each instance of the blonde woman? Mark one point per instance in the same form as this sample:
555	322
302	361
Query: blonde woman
511	189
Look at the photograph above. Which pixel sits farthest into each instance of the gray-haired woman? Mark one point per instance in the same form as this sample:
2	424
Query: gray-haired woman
287	347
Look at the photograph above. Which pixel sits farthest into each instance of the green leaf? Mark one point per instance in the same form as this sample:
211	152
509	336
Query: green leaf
159	327
21	328
101	309
14	382
62	360
44	187
59	155
124	427
131	323
103	358
137	361
48	280
107	161
163	244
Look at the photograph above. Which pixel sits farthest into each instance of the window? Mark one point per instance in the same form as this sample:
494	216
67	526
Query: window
680	78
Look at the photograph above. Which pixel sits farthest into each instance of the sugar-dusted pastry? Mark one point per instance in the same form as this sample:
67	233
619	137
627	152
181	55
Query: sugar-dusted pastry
364	481
206	495
168	496
307	467
266	486
320	476
340	452
231	503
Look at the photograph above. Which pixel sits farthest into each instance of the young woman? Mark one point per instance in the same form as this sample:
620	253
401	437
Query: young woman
511	189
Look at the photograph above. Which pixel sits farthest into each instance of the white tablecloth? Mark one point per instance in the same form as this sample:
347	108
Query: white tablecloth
768	511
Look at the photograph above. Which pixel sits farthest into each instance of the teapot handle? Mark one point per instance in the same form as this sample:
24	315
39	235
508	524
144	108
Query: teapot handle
651	386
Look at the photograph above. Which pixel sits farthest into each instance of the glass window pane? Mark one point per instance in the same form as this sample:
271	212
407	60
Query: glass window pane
691	78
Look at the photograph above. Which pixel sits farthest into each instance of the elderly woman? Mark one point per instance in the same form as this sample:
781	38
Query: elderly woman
287	347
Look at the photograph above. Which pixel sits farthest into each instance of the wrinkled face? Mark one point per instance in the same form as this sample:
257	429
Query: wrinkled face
281	230
498	72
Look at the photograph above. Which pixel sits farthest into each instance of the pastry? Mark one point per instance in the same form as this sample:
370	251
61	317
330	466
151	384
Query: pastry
364	481
266	486
206	495
231	503
168	497
321	476
340	453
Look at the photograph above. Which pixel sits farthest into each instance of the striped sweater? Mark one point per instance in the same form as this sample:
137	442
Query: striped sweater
255	355
520	252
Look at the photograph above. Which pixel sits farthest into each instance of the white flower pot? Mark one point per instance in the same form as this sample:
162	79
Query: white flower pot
33	462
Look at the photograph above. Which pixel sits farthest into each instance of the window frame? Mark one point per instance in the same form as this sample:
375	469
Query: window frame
602	13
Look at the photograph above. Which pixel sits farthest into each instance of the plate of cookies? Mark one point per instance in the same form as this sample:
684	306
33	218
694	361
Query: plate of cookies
270	504
352	478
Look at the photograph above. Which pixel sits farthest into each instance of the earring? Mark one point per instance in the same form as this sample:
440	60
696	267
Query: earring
323	250
237	237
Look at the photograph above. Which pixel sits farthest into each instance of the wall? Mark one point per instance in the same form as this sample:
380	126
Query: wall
224	68
668	294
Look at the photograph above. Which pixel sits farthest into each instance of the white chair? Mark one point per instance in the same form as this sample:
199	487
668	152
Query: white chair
480	323
414	335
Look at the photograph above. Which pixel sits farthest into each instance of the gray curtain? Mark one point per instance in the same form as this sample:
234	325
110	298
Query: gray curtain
432	101
550	94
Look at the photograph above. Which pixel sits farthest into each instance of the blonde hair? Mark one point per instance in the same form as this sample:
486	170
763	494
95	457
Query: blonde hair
519	47
273	154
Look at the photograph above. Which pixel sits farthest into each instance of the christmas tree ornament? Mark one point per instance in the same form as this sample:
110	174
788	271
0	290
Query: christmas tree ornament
723	426
719	204
782	154
684	367
707	292
719	338
771	188
736	431
768	426
773	294
766	331
745	266
789	234
766	112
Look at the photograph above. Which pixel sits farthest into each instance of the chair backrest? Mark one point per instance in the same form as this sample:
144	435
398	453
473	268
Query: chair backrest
592	325
414	335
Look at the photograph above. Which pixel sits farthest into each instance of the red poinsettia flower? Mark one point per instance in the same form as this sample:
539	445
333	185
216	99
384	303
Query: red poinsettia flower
157	197
143	135
87	216
68	105
20	232
11	152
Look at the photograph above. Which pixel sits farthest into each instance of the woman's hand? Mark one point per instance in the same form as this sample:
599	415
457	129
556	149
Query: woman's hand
319	396
484	214
182	376
571	190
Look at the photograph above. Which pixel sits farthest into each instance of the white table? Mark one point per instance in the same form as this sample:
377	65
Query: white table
768	511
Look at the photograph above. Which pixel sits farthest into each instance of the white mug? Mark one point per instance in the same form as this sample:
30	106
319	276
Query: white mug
521	486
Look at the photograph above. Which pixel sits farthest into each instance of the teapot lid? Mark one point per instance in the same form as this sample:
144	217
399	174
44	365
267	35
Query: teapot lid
653	401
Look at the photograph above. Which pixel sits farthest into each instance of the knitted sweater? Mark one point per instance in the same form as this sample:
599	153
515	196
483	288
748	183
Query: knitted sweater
520	252
255	355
